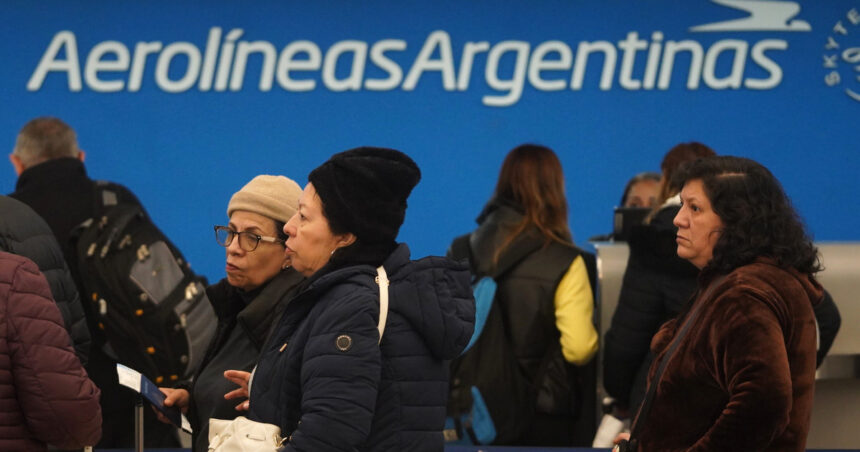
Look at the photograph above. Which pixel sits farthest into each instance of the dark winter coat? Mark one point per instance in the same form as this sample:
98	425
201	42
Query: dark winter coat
328	384
45	395
25	233
60	191
742	378
255	314
657	286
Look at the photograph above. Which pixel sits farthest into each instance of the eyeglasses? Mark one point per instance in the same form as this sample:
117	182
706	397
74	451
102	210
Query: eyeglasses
248	241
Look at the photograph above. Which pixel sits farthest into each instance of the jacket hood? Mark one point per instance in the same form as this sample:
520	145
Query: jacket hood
434	294
496	221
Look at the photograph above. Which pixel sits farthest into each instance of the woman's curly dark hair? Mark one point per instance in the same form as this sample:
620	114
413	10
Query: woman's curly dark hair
758	218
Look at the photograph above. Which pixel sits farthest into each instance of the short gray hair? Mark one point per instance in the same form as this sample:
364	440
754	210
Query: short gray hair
45	138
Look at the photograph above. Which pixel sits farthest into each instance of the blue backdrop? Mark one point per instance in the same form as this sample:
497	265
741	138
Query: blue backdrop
186	101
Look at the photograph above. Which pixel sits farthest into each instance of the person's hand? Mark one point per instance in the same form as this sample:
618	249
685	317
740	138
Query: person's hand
620	437
175	397
241	378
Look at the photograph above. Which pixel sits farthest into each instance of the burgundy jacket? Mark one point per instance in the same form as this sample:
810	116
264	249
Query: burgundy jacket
743	377
45	394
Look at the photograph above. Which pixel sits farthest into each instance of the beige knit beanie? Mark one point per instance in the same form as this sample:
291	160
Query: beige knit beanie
275	197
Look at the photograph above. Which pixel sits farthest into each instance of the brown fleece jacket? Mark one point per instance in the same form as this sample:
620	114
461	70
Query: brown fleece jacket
743	377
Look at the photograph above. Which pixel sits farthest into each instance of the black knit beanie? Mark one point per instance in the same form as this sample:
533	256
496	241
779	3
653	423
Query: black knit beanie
364	191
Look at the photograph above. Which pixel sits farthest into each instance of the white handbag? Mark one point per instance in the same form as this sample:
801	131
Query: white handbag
244	435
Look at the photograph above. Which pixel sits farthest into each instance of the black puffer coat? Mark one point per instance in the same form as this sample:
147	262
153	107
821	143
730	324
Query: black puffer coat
328	384
25	233
254	314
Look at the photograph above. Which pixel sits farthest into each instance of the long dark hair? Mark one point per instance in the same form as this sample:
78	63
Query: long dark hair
758	218
531	177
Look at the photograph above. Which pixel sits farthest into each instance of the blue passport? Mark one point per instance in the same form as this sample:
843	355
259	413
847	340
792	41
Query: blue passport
138	382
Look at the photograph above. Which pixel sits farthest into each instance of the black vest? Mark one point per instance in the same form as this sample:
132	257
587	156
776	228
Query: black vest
527	273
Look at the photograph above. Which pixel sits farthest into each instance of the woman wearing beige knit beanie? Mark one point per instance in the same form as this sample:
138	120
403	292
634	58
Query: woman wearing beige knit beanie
258	285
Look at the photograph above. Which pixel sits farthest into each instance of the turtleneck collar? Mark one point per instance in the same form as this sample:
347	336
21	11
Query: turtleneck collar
55	172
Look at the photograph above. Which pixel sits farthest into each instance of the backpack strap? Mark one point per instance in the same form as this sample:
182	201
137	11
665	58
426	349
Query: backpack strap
484	291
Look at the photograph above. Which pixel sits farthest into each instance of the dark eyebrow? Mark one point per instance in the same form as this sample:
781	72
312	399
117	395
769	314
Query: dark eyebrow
254	229
687	198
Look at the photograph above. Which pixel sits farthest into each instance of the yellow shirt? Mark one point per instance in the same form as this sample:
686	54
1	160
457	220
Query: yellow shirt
574	312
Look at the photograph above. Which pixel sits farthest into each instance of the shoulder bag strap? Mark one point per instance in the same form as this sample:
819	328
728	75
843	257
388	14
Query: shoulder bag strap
382	280
652	388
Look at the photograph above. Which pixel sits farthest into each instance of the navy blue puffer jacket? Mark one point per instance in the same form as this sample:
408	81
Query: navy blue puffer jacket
328	384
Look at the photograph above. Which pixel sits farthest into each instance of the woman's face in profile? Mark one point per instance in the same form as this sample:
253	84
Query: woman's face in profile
698	225
311	241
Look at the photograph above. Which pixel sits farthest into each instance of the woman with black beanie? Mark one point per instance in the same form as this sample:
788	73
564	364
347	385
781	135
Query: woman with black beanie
339	373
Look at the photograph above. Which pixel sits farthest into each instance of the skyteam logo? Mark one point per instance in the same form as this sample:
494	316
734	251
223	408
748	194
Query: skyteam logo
764	15
841	60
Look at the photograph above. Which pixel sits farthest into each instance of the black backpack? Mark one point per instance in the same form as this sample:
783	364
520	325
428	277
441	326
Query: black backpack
476	415
151	307
487	369
491	400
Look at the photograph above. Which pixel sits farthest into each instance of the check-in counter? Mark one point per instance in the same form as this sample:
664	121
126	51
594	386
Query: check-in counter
837	389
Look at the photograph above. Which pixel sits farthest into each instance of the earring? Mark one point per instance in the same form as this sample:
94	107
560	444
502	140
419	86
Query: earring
285	266
332	252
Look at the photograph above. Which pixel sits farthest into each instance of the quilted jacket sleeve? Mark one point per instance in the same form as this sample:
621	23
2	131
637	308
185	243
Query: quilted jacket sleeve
60	403
25	233
71	309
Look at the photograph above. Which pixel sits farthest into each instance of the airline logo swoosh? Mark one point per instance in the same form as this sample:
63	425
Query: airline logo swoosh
764	16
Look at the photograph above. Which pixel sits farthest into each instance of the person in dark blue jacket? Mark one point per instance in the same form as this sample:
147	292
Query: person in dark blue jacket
324	378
